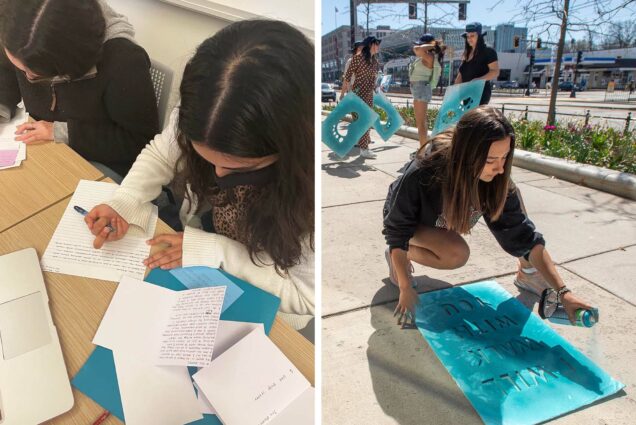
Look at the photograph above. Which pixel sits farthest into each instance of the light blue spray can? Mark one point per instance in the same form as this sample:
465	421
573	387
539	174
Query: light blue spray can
553	311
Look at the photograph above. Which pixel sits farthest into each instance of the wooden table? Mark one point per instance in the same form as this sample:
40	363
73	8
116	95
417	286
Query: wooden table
78	303
50	172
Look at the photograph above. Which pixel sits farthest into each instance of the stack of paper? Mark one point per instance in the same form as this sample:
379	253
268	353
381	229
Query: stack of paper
11	153
155	333
71	251
253	383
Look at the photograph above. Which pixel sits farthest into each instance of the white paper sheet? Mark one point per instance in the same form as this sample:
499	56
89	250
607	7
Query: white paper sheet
204	405
301	411
8	144
71	251
158	395
189	330
162	326
252	382
7	130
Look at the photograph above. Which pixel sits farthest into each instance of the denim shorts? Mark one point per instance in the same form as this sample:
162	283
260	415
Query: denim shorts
421	91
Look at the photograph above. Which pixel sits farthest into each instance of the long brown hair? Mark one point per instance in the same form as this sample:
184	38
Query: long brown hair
459	155
248	92
480	47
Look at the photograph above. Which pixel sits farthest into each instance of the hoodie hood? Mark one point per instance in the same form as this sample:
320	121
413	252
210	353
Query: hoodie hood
117	25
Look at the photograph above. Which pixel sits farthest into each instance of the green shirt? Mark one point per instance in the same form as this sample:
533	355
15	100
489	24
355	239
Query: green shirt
420	72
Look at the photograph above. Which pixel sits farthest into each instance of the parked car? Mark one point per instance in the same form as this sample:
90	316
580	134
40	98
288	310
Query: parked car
337	84
509	84
328	93
567	86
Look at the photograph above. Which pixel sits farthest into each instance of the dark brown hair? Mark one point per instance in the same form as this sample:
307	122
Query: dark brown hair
480	47
53	37
248	92
459	155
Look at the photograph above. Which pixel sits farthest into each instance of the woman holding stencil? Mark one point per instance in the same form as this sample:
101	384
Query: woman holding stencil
479	61
462	175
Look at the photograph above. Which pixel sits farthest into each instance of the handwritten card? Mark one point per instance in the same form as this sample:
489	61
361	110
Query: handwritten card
71	251
166	327
190	331
200	277
252	382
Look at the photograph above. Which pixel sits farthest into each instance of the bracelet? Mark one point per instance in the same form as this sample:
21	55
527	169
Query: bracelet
562	291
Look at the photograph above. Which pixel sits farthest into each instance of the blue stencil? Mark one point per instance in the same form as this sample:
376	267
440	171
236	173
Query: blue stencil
511	366
394	119
350	104
458	100
98	378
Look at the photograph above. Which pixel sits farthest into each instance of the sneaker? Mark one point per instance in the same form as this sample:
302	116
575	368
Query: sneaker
531	282
366	153
393	275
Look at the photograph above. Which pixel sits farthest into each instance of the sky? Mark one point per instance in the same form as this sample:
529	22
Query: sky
396	15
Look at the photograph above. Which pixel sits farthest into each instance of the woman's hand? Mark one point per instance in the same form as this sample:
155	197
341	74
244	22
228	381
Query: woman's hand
33	133
170	257
571	303
406	306
99	218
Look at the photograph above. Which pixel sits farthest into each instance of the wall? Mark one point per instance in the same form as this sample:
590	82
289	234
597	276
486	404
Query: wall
170	34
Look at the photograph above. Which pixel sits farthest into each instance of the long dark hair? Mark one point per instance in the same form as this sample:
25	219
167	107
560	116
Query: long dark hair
459	155
53	37
481	46
248	92
366	52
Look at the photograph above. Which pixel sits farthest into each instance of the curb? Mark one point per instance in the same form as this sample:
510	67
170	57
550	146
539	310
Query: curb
603	179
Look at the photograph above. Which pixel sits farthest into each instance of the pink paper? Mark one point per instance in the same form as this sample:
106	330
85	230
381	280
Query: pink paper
8	157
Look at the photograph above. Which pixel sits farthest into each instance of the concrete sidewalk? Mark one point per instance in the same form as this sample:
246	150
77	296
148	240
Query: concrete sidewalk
375	374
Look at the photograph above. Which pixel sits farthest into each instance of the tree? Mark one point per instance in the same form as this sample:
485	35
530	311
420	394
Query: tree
562	19
621	34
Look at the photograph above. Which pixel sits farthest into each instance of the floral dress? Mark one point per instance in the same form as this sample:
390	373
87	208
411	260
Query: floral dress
365	76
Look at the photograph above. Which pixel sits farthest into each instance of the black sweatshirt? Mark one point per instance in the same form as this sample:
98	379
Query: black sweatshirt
110	117
415	198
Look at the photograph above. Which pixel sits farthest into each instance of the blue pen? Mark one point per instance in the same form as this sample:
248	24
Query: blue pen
84	213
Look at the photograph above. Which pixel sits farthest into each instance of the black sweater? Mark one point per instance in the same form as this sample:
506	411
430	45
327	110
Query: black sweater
110	117
415	198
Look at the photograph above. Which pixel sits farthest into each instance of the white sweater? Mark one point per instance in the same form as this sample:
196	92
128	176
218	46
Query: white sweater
154	168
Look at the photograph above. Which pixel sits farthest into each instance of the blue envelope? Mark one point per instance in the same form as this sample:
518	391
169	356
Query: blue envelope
394	119
511	366
458	100
350	104
98	379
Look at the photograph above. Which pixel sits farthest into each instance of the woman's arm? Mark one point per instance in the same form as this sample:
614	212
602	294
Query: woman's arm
153	169
295	289
541	260
422	50
458	79
493	72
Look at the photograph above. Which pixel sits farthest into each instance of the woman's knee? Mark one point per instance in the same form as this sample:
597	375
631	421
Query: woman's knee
456	254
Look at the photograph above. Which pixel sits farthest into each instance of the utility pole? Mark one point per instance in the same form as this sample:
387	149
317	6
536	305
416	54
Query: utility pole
579	56
425	16
557	65
531	51
352	14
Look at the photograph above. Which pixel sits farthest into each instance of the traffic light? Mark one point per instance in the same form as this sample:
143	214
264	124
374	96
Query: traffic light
515	41
412	10
462	12
579	57
538	43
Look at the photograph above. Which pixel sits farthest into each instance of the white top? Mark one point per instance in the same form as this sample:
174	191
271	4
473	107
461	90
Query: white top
154	168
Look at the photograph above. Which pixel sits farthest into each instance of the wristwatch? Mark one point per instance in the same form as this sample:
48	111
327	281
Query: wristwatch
562	291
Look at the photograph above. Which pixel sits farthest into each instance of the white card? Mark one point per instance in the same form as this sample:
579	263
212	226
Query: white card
251	382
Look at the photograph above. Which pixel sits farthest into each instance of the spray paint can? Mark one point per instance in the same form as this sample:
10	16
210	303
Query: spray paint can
552	310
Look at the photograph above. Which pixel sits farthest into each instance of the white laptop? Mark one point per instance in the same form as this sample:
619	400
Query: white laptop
34	384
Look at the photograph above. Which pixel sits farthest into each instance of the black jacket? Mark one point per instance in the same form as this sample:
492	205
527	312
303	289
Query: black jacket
110	117
415	198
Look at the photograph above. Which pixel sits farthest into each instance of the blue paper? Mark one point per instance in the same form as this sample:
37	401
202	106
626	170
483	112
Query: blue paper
201	277
350	104
511	366
458	100
98	379
394	119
